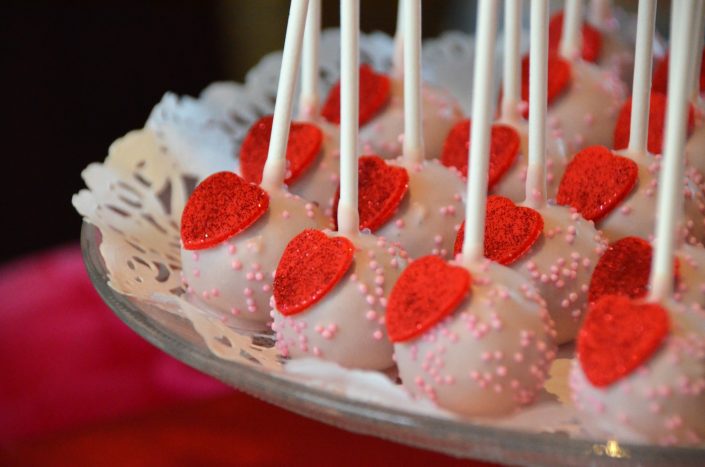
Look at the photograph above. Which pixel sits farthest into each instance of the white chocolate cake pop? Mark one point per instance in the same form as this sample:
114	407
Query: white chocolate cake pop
331	289
661	401
487	356
560	260
347	325
382	108
480	344
238	230
384	134
618	191
428	217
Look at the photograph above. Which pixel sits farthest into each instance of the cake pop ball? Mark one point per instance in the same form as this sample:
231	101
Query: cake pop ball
552	247
233	234
639	375
618	194
583	103
382	114
601	44
430	214
477	342
330	297
312	154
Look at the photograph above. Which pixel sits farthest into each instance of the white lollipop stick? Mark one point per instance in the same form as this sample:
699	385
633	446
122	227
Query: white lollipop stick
600	11
275	168
641	95
670	196
413	133
309	100
474	241
348	217
398	55
697	46
538	82
572	37
511	82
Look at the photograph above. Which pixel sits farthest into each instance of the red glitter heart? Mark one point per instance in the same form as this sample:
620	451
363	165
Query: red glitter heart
381	189
301	150
559	76
375	91
596	181
504	147
591	40
657	120
311	265
624	269
618	335
660	80
510	230
426	292
220	207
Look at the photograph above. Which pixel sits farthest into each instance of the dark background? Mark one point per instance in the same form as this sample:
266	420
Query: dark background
77	75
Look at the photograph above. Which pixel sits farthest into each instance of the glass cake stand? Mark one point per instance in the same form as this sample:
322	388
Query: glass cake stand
177	337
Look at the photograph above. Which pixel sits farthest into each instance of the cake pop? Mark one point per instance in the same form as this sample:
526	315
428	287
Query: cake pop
472	336
580	99
426	216
639	375
233	232
583	98
331	288
617	191
313	154
382	109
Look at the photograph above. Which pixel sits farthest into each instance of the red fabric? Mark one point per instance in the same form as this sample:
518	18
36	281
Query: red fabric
80	388
67	360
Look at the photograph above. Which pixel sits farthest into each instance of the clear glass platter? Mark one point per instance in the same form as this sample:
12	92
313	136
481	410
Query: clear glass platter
176	336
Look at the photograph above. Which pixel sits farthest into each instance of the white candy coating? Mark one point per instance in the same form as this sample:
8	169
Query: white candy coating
491	356
320	181
690	288
347	325
661	402
695	146
383	134
235	276
560	265
635	215
431	212
512	185
586	113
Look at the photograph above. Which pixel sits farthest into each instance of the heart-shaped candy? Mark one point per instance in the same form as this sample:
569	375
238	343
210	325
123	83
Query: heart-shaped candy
311	265
619	334
624	269
591	38
660	79
510	230
596	181
375	91
427	291
381	188
303	146
222	205
657	120
504	147
559	77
